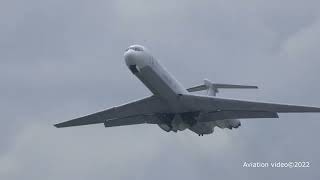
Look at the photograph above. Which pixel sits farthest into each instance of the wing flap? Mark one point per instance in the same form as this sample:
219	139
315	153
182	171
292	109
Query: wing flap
221	115
131	120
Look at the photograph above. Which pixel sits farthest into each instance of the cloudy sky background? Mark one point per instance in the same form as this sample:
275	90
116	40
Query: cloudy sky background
63	59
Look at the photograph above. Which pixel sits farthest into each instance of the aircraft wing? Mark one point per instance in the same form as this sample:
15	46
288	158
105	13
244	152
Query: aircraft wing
221	115
243	109
136	112
131	120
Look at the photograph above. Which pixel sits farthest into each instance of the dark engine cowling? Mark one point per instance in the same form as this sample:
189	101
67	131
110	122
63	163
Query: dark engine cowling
165	121
176	122
228	123
166	127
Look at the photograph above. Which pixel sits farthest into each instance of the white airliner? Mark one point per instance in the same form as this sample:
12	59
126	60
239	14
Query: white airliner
174	108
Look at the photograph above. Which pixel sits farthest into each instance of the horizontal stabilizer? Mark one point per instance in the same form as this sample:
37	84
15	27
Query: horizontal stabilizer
232	86
213	88
220	86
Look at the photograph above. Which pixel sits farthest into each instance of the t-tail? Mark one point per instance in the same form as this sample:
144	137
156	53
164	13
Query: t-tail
213	88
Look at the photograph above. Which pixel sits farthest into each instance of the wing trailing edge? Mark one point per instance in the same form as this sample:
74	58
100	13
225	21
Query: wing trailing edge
222	115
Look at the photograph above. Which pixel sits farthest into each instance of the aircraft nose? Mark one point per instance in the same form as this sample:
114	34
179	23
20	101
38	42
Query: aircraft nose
130	57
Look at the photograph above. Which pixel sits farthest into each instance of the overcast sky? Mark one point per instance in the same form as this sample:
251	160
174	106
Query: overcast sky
63	59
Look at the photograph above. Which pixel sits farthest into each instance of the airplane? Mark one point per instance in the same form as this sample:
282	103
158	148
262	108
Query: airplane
174	108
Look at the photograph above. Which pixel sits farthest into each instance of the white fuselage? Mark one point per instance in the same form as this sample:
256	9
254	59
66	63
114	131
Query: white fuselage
155	77
162	84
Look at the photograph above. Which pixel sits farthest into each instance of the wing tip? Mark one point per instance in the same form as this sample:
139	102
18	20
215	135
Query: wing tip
251	87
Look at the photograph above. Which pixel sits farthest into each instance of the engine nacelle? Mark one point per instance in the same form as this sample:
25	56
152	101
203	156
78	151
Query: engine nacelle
165	127
175	122
228	123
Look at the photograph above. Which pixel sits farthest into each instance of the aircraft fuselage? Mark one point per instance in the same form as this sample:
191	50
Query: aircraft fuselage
161	83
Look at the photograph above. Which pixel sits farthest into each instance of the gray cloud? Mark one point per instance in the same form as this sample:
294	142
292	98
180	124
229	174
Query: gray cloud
63	59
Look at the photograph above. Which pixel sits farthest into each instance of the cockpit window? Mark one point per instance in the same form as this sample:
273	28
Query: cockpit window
135	48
